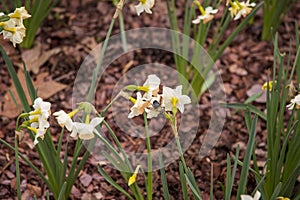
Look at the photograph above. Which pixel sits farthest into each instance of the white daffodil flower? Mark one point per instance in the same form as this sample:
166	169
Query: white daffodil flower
139	106
156	106
248	197
86	131
64	119
144	5
41	107
239	9
151	86
174	98
20	13
39	122
14	29
294	102
39	132
206	15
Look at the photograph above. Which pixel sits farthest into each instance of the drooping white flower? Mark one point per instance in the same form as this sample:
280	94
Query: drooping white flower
294	102
41	108
174	98
239	9
39	132
64	119
144	5
86	131
39	118
206	15
139	106
248	197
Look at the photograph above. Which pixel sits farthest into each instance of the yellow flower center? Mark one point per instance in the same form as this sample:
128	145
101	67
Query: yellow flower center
143	1
35	119
71	114
202	10
143	88
15	15
36	112
87	119
12	30
174	101
32	129
133	100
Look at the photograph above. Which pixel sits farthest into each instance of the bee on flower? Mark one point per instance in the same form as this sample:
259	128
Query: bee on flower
144	5
240	9
206	15
155	103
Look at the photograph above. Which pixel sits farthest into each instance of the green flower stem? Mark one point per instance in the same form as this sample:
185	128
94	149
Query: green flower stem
122	29
149	181
17	168
110	104
97	69
175	131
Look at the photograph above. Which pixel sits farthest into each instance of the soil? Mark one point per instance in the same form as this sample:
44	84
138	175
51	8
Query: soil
73	30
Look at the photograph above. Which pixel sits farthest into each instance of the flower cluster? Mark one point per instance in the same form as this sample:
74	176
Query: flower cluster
153	103
237	10
240	9
12	27
38	120
206	14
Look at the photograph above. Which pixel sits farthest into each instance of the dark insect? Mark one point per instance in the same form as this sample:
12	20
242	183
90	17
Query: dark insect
155	104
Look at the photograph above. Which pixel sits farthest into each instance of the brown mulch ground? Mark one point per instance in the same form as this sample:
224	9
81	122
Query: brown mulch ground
73	30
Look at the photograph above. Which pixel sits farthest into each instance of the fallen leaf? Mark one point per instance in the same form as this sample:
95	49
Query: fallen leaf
46	88
86	179
34	190
237	70
256	89
98	195
34	58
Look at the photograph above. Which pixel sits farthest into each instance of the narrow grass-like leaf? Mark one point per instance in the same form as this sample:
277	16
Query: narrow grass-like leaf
163	177
183	182
62	192
15	80
29	163
17	169
14	100
247	158
243	106
193	188
276	191
29	84
113	183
